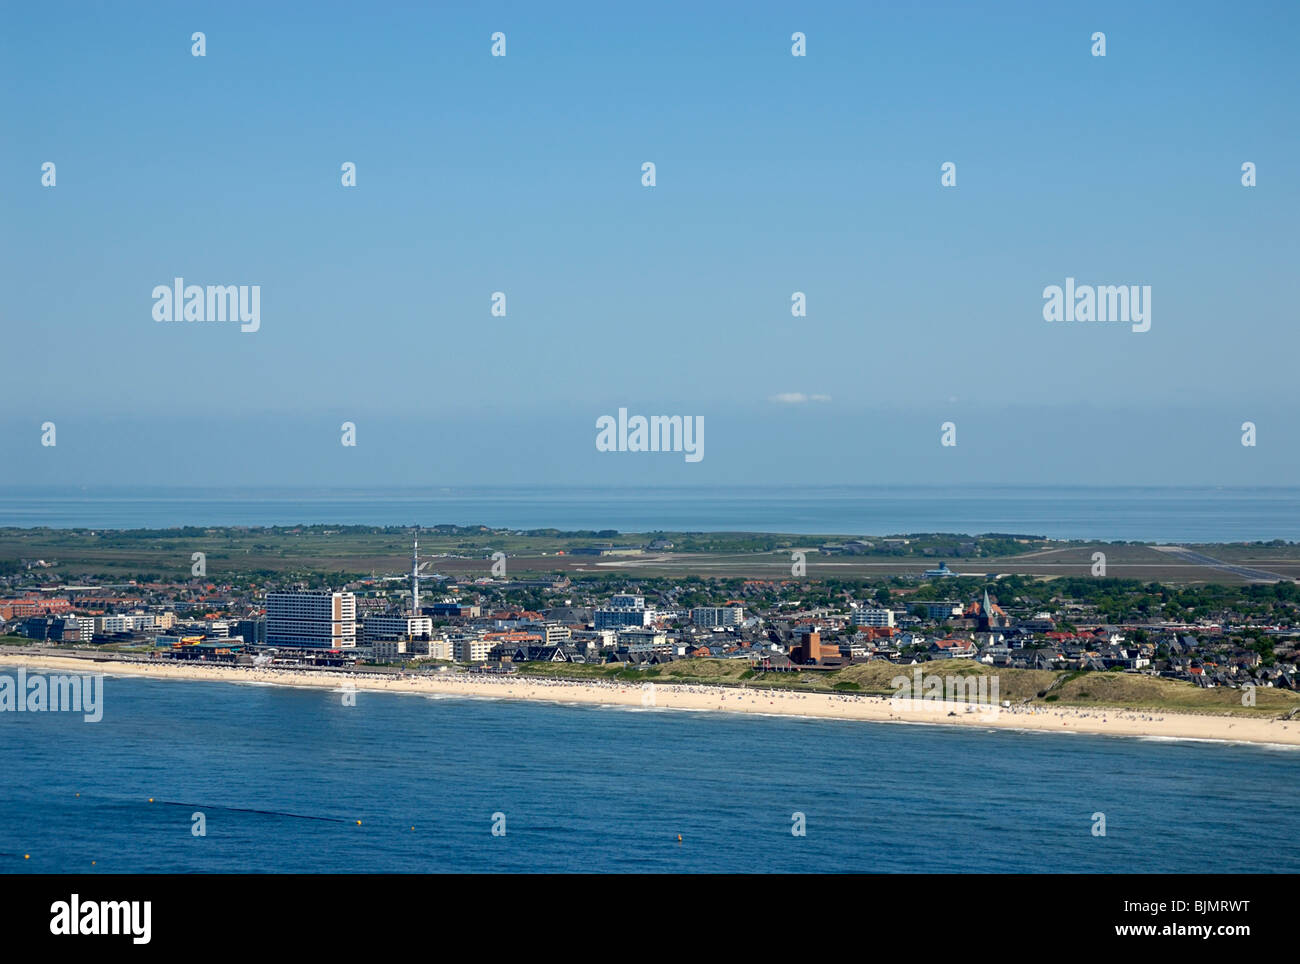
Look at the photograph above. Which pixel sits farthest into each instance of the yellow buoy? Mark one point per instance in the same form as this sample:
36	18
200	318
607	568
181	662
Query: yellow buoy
151	799
358	823
27	856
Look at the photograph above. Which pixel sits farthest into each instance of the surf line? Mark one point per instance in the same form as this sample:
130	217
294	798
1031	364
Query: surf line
269	813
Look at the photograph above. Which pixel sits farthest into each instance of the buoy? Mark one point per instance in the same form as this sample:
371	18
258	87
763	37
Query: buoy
92	863
78	794
27	856
151	799
358	823
679	838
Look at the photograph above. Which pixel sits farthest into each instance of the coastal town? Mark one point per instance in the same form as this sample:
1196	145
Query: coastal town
1211	636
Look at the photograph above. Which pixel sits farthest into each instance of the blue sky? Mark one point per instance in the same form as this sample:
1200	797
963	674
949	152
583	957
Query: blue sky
775	174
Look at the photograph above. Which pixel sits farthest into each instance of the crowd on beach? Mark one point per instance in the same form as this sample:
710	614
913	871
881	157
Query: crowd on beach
724	695
684	695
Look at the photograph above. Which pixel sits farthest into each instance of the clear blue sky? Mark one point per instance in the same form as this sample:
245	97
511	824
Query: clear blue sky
775	174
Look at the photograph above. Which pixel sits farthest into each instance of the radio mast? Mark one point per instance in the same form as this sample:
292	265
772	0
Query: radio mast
415	574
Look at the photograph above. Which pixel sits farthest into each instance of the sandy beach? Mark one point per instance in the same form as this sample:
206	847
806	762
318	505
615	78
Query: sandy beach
1113	722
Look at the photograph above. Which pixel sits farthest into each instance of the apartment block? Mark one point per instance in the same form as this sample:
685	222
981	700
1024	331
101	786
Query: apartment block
312	619
718	617
876	618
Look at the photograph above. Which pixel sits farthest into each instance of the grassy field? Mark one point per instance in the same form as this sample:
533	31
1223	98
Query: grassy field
82	554
1148	692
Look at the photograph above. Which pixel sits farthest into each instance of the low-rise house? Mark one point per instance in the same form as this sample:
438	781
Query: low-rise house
952	648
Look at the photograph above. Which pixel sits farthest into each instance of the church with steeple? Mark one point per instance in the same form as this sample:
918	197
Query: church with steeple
988	615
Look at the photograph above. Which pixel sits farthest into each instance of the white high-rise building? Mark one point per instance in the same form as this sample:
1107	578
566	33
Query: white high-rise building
623	610
471	649
396	626
642	639
81	628
879	618
613	618
314	619
718	616
123	623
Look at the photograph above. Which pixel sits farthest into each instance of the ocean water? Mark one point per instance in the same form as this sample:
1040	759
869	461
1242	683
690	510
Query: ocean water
1148	514
587	788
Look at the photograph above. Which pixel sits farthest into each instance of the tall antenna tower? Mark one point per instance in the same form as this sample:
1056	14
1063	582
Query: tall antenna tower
415	574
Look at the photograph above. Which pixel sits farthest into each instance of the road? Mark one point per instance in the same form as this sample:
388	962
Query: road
1254	575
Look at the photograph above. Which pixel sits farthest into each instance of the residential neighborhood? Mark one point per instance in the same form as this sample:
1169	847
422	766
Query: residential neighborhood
1211	636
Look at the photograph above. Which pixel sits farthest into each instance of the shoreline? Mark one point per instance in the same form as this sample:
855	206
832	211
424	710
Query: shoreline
1109	721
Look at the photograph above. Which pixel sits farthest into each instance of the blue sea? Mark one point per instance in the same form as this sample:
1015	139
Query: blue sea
1130	513
586	788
